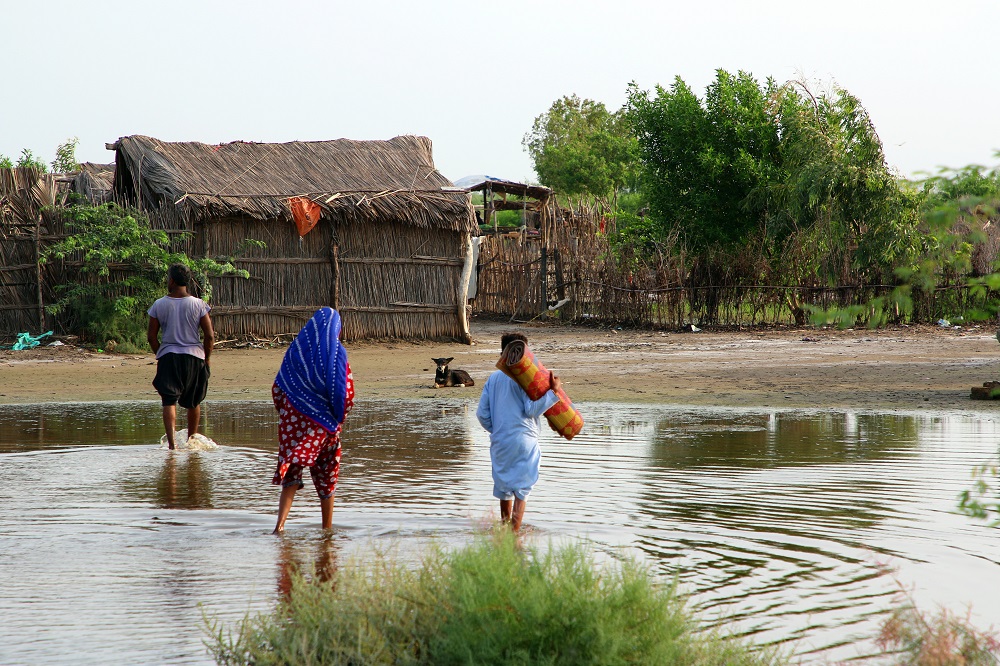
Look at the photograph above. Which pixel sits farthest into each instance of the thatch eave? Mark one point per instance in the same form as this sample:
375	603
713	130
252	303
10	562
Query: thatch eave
392	180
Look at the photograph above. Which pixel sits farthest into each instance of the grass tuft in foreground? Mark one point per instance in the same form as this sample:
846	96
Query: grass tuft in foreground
488	603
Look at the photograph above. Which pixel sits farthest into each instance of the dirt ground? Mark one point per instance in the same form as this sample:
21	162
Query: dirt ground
910	368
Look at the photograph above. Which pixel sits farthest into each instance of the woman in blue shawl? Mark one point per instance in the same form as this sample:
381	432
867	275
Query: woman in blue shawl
313	392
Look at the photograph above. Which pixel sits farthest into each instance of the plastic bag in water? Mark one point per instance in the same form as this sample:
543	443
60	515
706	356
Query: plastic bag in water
184	443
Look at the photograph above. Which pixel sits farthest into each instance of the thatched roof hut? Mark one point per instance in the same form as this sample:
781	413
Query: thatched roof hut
94	182
390	249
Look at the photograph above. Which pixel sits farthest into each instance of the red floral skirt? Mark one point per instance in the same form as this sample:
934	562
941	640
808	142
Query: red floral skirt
304	443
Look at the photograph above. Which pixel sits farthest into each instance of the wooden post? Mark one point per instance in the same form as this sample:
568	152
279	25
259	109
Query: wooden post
335	275
463	290
38	273
545	281
560	280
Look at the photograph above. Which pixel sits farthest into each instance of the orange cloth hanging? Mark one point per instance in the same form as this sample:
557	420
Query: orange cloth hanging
305	212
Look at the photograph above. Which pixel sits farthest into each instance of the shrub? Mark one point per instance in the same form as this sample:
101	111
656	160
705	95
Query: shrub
943	639
488	603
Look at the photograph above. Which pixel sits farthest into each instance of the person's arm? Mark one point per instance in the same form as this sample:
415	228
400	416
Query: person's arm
208	335
535	408
153	333
483	411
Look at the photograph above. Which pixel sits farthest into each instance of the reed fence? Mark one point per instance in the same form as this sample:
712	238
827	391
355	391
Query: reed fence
27	226
569	268
395	279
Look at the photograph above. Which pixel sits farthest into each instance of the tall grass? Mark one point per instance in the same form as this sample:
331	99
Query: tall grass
488	603
913	637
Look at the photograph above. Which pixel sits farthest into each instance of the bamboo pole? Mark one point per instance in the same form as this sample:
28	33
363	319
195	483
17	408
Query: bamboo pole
463	290
38	272
335	279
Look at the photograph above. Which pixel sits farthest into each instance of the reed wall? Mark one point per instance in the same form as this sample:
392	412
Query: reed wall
27	226
388	279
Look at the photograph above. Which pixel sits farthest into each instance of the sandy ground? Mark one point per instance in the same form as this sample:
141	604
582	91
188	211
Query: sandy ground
912	368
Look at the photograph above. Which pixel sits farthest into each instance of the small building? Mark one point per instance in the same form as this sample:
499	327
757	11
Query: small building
370	228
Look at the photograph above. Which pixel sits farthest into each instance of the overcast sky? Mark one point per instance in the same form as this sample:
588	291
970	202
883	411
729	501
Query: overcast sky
472	76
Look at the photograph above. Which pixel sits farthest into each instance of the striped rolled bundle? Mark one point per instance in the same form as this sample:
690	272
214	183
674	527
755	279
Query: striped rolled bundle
520	364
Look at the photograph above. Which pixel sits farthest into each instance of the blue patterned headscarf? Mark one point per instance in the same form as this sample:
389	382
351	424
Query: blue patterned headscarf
313	373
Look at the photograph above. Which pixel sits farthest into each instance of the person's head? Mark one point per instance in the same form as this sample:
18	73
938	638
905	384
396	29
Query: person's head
509	337
180	275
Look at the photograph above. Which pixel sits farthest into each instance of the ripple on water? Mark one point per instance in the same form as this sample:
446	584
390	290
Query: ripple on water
779	524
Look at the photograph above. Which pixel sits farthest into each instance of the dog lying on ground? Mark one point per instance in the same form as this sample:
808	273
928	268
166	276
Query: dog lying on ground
444	377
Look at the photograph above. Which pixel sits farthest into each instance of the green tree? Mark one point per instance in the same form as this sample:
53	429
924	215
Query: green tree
65	160
578	147
702	159
838	184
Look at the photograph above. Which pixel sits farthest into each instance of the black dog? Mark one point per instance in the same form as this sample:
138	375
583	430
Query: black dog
444	377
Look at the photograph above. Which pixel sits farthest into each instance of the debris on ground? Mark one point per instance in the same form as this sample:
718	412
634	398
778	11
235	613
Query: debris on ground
29	341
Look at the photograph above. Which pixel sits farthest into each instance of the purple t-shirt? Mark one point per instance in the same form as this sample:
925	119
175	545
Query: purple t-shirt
180	325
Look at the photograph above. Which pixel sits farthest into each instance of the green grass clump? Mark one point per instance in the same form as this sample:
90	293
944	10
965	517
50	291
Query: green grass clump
488	603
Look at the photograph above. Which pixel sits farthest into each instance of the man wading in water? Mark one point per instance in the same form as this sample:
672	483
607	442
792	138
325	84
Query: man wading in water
182	369
513	421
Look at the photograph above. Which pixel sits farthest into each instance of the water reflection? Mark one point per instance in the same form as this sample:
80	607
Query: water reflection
406	453
776	522
310	557
774	439
28	427
183	483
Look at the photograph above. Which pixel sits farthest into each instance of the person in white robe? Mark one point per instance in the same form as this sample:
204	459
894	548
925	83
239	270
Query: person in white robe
513	421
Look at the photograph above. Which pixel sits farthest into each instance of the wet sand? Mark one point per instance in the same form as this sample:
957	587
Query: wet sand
907	368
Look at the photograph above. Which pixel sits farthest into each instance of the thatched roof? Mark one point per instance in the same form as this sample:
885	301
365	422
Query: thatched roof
24	193
94	181
375	180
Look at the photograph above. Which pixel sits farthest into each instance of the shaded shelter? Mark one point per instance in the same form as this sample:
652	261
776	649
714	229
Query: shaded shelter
532	199
370	228
513	266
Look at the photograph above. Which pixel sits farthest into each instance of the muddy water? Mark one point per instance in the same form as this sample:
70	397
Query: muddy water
777	523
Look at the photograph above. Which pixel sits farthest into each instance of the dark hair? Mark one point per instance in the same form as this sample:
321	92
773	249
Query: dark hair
508	338
180	274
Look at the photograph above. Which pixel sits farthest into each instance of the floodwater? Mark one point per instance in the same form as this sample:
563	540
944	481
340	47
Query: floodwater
777	523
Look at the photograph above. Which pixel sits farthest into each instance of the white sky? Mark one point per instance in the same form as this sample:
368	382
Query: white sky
472	76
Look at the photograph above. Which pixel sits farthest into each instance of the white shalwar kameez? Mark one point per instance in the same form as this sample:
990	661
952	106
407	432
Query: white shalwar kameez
513	421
